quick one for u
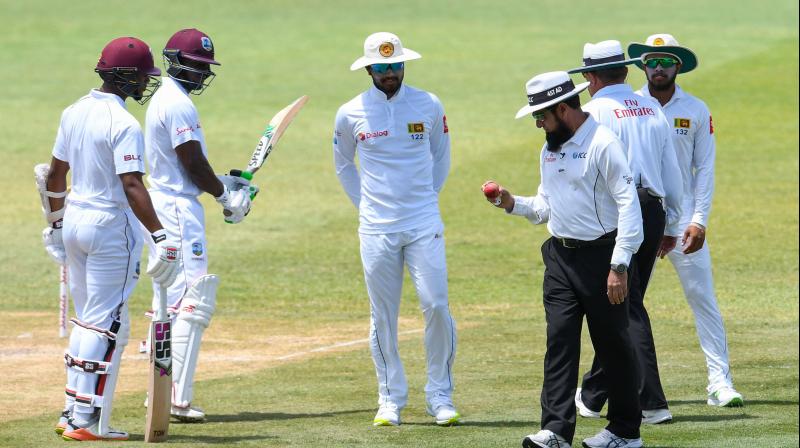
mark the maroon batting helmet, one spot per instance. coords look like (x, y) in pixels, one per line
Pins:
(127, 52)
(192, 44)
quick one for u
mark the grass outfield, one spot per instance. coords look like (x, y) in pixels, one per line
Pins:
(285, 362)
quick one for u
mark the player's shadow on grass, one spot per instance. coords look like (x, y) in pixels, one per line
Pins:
(478, 424)
(180, 438)
(678, 418)
(266, 416)
(747, 403)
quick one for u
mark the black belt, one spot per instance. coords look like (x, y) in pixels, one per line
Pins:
(645, 196)
(605, 240)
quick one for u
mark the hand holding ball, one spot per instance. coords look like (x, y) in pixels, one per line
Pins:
(492, 192)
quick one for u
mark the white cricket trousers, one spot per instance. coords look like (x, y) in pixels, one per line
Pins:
(103, 247)
(694, 272)
(183, 218)
(383, 257)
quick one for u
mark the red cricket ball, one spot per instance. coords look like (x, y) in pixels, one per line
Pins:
(491, 190)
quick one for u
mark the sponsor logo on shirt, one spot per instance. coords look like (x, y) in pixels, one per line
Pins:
(683, 123)
(578, 155)
(550, 158)
(628, 179)
(180, 131)
(632, 109)
(367, 135)
(129, 157)
(415, 127)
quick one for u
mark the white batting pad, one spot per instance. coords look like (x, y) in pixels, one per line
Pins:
(194, 315)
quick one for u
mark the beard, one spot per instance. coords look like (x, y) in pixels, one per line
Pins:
(558, 137)
(662, 85)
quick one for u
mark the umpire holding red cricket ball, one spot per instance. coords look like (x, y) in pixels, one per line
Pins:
(589, 202)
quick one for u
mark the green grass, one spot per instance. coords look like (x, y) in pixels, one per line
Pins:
(295, 262)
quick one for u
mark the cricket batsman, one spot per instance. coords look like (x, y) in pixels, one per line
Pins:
(92, 229)
(179, 172)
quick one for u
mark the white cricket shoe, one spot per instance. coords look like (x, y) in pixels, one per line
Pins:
(583, 410)
(62, 422)
(544, 439)
(607, 439)
(726, 397)
(444, 412)
(188, 414)
(388, 415)
(656, 416)
(91, 432)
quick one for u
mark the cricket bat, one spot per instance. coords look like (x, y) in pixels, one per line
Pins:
(275, 129)
(159, 389)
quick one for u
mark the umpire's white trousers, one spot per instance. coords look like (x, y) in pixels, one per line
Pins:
(694, 271)
(383, 257)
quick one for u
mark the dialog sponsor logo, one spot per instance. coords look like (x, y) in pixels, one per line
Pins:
(368, 135)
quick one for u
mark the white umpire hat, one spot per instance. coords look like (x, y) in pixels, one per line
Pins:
(383, 48)
(547, 89)
(602, 55)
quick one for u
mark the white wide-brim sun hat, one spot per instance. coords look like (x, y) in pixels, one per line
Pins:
(383, 48)
(547, 89)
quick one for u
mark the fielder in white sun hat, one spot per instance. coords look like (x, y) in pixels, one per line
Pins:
(663, 44)
(383, 48)
(602, 55)
(548, 89)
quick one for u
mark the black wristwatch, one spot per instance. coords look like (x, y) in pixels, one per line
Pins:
(619, 268)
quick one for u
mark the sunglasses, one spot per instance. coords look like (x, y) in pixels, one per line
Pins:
(538, 115)
(383, 68)
(663, 62)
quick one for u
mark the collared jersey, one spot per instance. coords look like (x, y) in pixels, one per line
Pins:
(171, 120)
(586, 191)
(647, 141)
(693, 138)
(403, 150)
(100, 140)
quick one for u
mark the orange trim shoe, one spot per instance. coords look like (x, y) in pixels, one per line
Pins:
(91, 432)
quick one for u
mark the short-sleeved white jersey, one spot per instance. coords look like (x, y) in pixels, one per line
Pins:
(693, 138)
(403, 150)
(100, 140)
(171, 120)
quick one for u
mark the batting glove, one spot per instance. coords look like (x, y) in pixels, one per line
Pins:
(235, 204)
(54, 245)
(164, 266)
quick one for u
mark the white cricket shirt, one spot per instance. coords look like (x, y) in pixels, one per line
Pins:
(171, 120)
(403, 150)
(100, 140)
(693, 138)
(586, 191)
(647, 141)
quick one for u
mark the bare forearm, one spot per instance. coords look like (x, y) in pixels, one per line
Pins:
(139, 200)
(203, 176)
(57, 182)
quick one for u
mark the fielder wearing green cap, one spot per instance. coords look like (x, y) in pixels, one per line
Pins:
(693, 139)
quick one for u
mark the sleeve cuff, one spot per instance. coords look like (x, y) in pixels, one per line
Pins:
(673, 230)
(621, 256)
(521, 208)
(699, 218)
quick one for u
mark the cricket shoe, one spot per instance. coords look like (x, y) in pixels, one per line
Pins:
(545, 439)
(388, 415)
(62, 422)
(656, 416)
(584, 410)
(726, 397)
(188, 414)
(607, 439)
(91, 432)
(444, 412)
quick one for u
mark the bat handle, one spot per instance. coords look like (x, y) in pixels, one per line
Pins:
(243, 174)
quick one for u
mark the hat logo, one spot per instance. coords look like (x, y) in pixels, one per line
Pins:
(386, 49)
(555, 91)
(658, 41)
(206, 43)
